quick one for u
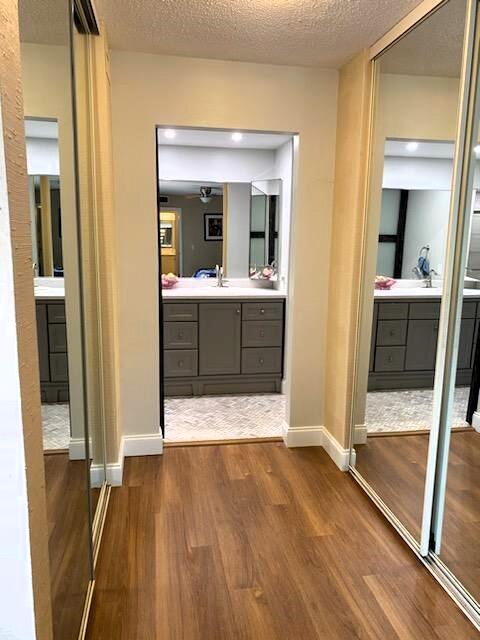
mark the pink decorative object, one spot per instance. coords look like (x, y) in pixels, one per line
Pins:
(169, 281)
(383, 283)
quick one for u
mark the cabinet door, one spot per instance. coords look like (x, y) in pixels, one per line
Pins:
(465, 345)
(421, 345)
(219, 338)
(42, 335)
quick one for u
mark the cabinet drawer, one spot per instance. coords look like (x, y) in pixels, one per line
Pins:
(42, 335)
(180, 335)
(58, 367)
(425, 310)
(262, 310)
(56, 312)
(389, 358)
(180, 363)
(469, 309)
(391, 332)
(392, 310)
(268, 360)
(57, 338)
(258, 333)
(180, 312)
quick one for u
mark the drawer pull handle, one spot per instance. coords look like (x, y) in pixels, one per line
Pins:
(262, 333)
(392, 333)
(180, 335)
(390, 358)
(262, 311)
(237, 311)
(261, 360)
(180, 363)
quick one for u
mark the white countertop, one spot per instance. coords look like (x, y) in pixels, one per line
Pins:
(210, 291)
(49, 288)
(415, 289)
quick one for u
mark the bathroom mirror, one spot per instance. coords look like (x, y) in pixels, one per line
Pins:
(264, 228)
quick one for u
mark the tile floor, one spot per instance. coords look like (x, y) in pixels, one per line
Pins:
(56, 426)
(409, 410)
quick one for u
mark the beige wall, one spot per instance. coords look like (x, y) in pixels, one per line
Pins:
(347, 234)
(13, 133)
(212, 93)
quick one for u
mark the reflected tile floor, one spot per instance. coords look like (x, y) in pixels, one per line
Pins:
(224, 417)
(409, 410)
(56, 426)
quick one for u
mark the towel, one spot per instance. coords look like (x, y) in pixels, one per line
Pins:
(424, 265)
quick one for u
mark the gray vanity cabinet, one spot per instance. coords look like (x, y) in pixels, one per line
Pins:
(219, 338)
(227, 346)
(52, 349)
(404, 343)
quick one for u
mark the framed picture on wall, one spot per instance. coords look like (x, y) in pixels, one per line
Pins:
(213, 226)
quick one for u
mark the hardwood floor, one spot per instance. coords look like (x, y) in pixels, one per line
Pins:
(68, 542)
(259, 542)
(395, 468)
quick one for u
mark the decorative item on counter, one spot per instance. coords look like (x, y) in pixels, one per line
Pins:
(169, 280)
(267, 272)
(384, 283)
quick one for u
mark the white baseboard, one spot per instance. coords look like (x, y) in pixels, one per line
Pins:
(148, 444)
(360, 434)
(476, 420)
(96, 475)
(318, 437)
(76, 448)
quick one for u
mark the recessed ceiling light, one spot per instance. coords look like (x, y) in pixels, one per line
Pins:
(412, 146)
(237, 136)
(170, 133)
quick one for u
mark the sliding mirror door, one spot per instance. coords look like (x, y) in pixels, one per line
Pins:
(416, 106)
(50, 147)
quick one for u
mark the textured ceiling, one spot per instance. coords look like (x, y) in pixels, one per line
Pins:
(43, 21)
(323, 33)
(434, 48)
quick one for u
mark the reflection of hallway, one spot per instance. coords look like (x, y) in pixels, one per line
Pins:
(228, 417)
(395, 467)
(56, 426)
(409, 410)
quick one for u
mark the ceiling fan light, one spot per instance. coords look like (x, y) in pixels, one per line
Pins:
(205, 199)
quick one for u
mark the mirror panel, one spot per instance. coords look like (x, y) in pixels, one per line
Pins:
(265, 211)
(411, 176)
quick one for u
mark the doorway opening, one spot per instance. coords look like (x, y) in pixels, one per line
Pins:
(224, 227)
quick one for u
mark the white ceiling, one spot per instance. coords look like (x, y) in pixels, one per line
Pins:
(183, 188)
(41, 129)
(425, 149)
(325, 33)
(222, 139)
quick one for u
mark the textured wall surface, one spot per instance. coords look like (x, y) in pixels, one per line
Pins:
(294, 32)
(14, 138)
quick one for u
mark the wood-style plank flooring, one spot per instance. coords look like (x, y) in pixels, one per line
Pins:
(395, 467)
(257, 542)
(65, 483)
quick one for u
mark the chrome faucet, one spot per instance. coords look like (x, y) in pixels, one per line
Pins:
(219, 274)
(427, 279)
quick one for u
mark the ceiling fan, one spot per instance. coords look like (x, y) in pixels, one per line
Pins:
(206, 193)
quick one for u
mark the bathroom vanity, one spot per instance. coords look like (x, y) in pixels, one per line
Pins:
(404, 338)
(52, 339)
(223, 340)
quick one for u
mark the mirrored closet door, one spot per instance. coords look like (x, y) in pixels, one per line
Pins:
(415, 422)
(56, 94)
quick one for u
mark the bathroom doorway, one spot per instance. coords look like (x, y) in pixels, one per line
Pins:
(224, 221)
